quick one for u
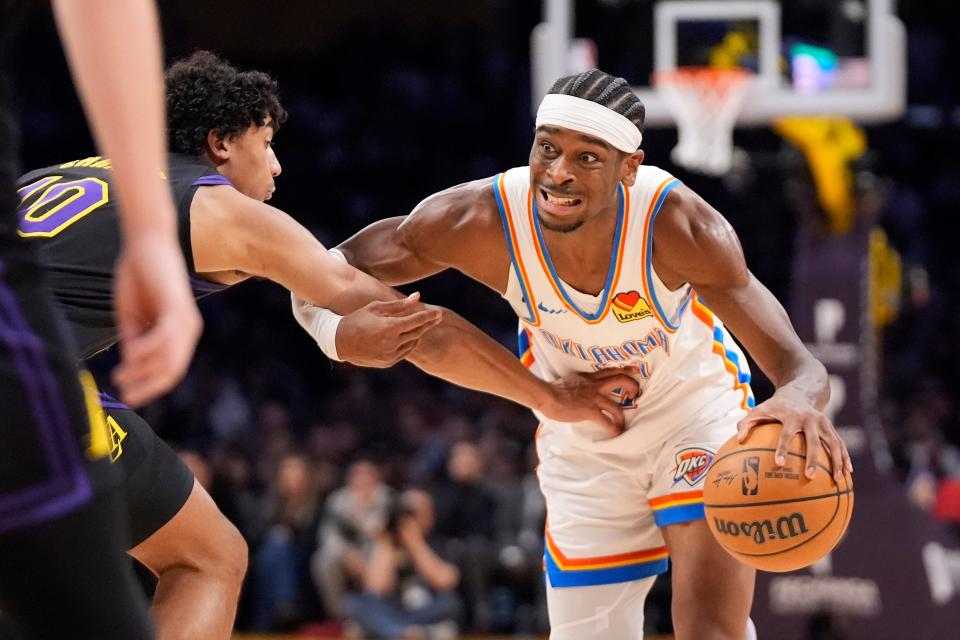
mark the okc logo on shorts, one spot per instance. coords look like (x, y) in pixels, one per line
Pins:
(692, 465)
(630, 306)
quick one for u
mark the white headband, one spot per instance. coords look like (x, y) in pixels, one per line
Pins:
(591, 118)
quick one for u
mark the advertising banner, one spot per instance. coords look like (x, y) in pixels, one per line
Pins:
(896, 575)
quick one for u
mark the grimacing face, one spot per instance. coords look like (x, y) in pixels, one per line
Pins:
(251, 164)
(574, 176)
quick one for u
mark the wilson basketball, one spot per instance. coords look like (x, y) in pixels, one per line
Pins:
(775, 518)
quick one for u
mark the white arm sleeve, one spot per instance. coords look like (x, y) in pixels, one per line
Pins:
(320, 323)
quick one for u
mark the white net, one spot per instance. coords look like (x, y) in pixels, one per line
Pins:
(705, 103)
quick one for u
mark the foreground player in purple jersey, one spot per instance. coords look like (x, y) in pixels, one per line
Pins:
(62, 522)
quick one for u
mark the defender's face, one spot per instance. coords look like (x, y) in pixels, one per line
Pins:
(251, 164)
(574, 176)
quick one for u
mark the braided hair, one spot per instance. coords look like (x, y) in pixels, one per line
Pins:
(609, 91)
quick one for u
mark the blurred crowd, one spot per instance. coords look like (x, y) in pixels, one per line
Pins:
(390, 503)
(438, 532)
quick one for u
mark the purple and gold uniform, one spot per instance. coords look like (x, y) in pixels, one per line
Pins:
(67, 215)
(63, 528)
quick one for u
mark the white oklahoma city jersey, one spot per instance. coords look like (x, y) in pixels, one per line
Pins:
(690, 368)
(607, 497)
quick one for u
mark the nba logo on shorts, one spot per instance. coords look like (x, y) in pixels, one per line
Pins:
(751, 476)
(692, 465)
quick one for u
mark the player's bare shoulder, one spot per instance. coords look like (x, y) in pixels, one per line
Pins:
(693, 243)
(465, 208)
(228, 231)
(460, 228)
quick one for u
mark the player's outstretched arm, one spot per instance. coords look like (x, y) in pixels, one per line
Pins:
(695, 244)
(460, 229)
(114, 53)
(230, 231)
(458, 352)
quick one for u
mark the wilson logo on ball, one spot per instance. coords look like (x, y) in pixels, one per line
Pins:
(789, 526)
(692, 465)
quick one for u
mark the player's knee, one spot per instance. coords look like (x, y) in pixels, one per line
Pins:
(694, 594)
(709, 623)
(232, 554)
(700, 614)
(217, 550)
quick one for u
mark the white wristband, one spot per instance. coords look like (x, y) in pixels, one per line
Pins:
(336, 254)
(327, 324)
(320, 323)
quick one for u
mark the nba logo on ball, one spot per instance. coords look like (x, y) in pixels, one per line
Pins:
(692, 465)
(751, 476)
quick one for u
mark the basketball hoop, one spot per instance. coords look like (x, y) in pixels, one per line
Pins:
(705, 103)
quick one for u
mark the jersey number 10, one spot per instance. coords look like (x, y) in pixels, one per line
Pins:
(50, 205)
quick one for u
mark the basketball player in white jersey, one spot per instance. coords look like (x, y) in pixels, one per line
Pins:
(609, 263)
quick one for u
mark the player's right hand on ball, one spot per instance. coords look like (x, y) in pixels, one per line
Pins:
(594, 396)
(384, 333)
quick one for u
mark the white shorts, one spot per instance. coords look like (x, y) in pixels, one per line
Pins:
(606, 503)
(604, 612)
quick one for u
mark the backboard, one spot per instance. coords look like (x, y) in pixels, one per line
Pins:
(810, 57)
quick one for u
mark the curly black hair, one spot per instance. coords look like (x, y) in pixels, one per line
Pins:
(610, 91)
(205, 93)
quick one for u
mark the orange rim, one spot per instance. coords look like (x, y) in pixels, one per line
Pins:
(702, 77)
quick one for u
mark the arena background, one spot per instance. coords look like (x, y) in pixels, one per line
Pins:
(390, 102)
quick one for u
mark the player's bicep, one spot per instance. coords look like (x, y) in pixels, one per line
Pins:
(460, 229)
(446, 230)
(704, 250)
(231, 232)
(694, 244)
(217, 240)
(288, 254)
(383, 251)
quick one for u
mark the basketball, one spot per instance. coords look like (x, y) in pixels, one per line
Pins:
(775, 518)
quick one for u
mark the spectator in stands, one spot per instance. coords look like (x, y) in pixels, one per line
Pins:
(291, 513)
(408, 591)
(352, 517)
(198, 466)
(232, 488)
(466, 517)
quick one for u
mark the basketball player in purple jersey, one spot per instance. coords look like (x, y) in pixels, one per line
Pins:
(62, 523)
